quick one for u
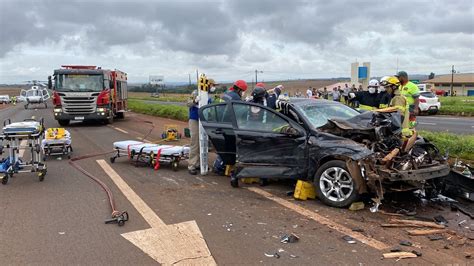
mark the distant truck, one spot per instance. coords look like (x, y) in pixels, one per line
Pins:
(85, 93)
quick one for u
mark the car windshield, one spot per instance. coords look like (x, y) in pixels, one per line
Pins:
(428, 94)
(79, 83)
(318, 114)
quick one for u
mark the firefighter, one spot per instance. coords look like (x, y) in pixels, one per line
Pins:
(383, 97)
(236, 91)
(368, 99)
(392, 86)
(193, 104)
(411, 93)
(273, 96)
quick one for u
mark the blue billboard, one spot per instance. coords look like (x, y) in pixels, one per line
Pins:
(363, 72)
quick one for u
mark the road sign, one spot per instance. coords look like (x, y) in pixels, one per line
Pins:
(157, 80)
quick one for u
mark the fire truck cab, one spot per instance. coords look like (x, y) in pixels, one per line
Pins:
(84, 93)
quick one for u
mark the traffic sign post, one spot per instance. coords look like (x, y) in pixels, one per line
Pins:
(203, 87)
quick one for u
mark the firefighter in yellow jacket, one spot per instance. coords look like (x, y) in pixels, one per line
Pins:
(392, 86)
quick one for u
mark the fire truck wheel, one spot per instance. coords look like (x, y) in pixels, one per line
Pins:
(110, 120)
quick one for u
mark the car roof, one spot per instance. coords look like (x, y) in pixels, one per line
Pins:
(307, 101)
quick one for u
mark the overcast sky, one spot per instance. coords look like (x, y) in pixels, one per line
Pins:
(229, 39)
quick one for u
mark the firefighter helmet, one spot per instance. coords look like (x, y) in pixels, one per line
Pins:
(241, 85)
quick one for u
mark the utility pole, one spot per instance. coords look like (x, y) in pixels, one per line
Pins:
(189, 77)
(256, 76)
(452, 80)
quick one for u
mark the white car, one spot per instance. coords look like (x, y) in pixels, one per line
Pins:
(429, 102)
(4, 99)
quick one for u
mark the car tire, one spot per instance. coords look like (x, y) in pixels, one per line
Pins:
(63, 122)
(332, 179)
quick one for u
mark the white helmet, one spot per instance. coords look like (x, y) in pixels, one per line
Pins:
(373, 83)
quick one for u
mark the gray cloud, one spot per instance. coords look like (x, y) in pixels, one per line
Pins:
(236, 33)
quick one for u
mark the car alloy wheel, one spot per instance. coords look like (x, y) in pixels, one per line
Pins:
(336, 184)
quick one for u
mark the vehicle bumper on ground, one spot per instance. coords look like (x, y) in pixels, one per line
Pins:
(59, 115)
(416, 175)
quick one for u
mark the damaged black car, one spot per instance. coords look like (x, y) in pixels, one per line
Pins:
(344, 153)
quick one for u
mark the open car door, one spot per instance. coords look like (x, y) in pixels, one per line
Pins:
(45, 95)
(269, 145)
(217, 120)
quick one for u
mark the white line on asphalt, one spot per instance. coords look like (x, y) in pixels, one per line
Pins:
(320, 219)
(181, 243)
(426, 123)
(119, 129)
(150, 217)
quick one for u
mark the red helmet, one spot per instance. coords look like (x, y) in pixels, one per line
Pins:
(260, 84)
(241, 84)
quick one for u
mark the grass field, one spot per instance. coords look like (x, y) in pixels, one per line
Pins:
(10, 91)
(161, 110)
(458, 105)
(165, 97)
(459, 146)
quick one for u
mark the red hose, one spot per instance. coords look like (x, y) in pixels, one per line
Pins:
(107, 190)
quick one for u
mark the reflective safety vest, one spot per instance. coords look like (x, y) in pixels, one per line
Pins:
(401, 103)
(410, 91)
(366, 107)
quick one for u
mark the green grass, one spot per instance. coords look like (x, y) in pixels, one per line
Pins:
(458, 105)
(168, 98)
(160, 110)
(461, 146)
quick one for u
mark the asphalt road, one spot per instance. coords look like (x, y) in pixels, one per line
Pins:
(61, 220)
(451, 124)
(438, 123)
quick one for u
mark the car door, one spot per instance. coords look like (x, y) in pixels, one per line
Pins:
(217, 121)
(45, 94)
(269, 145)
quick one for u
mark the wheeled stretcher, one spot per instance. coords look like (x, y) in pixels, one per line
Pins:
(26, 135)
(57, 142)
(150, 154)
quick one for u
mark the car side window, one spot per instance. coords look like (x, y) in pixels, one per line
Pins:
(252, 117)
(217, 114)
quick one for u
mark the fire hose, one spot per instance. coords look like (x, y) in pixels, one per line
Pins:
(117, 217)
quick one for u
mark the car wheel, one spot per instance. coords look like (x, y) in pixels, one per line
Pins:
(335, 185)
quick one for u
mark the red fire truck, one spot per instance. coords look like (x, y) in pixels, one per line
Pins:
(84, 93)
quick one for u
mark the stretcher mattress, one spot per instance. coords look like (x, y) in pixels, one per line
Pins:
(137, 146)
(22, 128)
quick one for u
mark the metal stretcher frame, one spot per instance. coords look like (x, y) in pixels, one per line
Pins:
(144, 158)
(13, 139)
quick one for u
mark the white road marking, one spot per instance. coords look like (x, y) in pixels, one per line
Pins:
(180, 243)
(426, 123)
(119, 129)
(321, 219)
